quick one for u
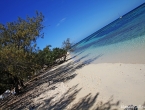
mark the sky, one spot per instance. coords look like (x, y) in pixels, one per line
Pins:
(74, 19)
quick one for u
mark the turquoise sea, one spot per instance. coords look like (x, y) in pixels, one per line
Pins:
(121, 41)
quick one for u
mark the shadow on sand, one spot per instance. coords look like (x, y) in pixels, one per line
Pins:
(51, 77)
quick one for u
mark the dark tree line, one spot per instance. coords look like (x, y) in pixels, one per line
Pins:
(50, 57)
(19, 55)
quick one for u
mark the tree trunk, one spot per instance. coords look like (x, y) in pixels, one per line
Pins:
(21, 83)
(16, 89)
(16, 83)
(64, 58)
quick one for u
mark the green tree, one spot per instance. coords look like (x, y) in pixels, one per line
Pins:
(66, 45)
(18, 45)
(50, 57)
(59, 54)
(44, 56)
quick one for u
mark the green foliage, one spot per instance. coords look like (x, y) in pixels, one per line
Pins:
(43, 56)
(18, 45)
(66, 45)
(19, 57)
(50, 57)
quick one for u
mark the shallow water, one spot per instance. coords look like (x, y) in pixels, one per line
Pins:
(122, 41)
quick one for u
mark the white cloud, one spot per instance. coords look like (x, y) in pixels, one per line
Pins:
(61, 21)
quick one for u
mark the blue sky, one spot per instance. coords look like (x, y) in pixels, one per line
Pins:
(74, 19)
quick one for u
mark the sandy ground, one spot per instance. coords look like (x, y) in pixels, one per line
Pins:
(121, 82)
(106, 84)
(78, 86)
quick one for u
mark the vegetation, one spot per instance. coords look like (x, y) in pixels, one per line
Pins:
(51, 57)
(19, 56)
(66, 45)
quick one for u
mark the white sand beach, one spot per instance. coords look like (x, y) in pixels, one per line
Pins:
(114, 84)
(122, 82)
(76, 86)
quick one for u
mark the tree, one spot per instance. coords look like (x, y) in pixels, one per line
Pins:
(18, 45)
(66, 45)
(44, 56)
(58, 54)
(51, 57)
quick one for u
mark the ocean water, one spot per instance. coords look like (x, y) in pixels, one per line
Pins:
(122, 41)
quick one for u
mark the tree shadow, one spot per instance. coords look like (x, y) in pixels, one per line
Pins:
(109, 105)
(50, 79)
(90, 102)
(68, 97)
(85, 103)
(63, 73)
